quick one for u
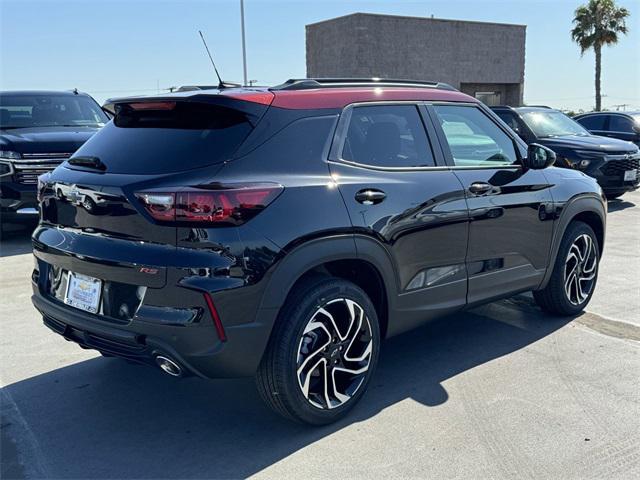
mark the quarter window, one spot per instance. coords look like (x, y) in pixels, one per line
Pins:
(387, 136)
(474, 140)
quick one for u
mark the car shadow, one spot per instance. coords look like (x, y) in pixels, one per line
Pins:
(618, 205)
(105, 418)
(15, 239)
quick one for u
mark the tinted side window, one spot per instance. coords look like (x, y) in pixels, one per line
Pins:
(387, 136)
(618, 123)
(474, 140)
(593, 122)
(510, 119)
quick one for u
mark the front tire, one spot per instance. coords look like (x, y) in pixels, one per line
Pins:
(322, 353)
(575, 272)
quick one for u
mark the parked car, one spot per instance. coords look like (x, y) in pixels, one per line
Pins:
(284, 232)
(614, 163)
(38, 131)
(621, 125)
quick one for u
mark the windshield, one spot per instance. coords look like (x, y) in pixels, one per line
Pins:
(23, 111)
(552, 124)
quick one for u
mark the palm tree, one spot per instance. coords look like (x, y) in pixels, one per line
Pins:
(596, 24)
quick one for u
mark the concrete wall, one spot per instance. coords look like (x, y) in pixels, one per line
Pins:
(456, 52)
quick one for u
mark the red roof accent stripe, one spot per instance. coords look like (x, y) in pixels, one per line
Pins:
(341, 97)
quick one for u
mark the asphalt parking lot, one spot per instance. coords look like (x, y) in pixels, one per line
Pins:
(501, 391)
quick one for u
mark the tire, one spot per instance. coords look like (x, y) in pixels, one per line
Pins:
(574, 252)
(350, 355)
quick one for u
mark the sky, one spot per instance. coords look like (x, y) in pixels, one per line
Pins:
(112, 48)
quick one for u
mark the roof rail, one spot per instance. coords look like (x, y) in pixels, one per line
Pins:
(308, 83)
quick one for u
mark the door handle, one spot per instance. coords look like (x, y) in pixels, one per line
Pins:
(480, 188)
(370, 196)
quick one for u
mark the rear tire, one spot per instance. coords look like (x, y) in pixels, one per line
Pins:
(322, 353)
(575, 272)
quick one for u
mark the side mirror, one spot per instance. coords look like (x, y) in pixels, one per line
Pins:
(539, 157)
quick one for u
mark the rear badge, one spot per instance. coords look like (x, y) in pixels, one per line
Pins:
(150, 271)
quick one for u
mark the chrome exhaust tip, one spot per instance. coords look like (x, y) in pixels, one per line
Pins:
(169, 366)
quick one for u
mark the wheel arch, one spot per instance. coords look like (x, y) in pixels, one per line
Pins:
(360, 260)
(589, 209)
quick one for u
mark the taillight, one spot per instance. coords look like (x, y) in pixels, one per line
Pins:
(224, 205)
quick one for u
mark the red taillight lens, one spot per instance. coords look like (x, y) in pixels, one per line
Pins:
(226, 205)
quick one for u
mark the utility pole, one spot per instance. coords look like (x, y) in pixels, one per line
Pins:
(244, 47)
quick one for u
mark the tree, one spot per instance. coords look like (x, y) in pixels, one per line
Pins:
(596, 24)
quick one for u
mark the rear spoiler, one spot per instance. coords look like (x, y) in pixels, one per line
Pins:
(253, 103)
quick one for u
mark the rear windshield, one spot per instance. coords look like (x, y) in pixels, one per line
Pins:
(174, 137)
(44, 110)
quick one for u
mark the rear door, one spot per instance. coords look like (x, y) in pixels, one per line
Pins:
(622, 127)
(510, 209)
(399, 193)
(596, 123)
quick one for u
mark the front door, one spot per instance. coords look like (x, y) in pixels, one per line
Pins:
(510, 208)
(400, 194)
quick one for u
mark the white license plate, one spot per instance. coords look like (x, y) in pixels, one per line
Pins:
(630, 175)
(83, 292)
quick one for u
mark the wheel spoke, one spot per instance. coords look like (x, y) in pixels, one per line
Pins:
(365, 354)
(305, 385)
(576, 286)
(588, 248)
(311, 355)
(340, 396)
(332, 321)
(568, 283)
(326, 384)
(353, 332)
(580, 294)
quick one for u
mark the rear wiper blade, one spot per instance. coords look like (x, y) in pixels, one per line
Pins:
(88, 162)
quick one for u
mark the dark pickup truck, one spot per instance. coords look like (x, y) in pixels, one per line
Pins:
(38, 131)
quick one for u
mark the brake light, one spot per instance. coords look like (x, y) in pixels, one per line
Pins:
(226, 205)
(152, 105)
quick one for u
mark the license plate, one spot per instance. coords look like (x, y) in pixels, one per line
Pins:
(83, 292)
(630, 175)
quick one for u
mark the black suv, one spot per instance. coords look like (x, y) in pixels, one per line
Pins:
(284, 232)
(614, 163)
(38, 131)
(621, 125)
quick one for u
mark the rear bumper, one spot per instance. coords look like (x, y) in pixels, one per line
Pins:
(143, 315)
(196, 349)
